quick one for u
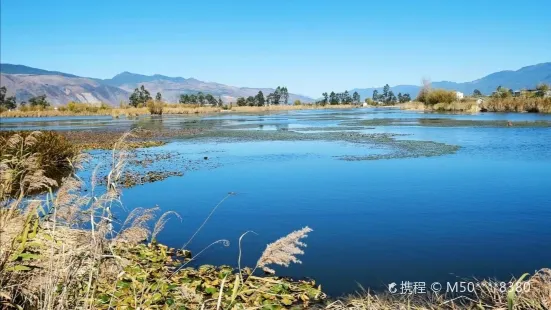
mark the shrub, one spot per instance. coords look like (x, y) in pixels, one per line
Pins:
(32, 161)
(370, 101)
(434, 96)
(297, 102)
(155, 107)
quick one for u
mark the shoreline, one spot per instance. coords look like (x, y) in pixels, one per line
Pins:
(135, 254)
(171, 109)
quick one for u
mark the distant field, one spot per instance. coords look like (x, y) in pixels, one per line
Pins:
(168, 109)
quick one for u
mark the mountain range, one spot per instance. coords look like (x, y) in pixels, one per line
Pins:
(526, 77)
(25, 82)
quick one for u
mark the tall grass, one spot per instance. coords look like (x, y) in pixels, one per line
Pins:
(155, 107)
(518, 104)
(33, 161)
(67, 250)
(466, 106)
(434, 96)
(166, 108)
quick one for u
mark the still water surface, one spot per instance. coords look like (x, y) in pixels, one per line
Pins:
(484, 211)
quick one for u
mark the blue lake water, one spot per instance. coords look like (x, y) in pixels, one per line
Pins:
(484, 211)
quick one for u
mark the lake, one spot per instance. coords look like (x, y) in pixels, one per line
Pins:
(482, 210)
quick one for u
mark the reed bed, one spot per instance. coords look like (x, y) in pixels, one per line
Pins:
(509, 104)
(518, 104)
(166, 109)
(468, 106)
(67, 250)
(486, 296)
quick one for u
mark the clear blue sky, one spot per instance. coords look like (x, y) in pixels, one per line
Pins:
(309, 46)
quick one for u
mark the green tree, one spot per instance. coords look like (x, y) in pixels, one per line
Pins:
(220, 103)
(139, 96)
(391, 98)
(346, 99)
(193, 99)
(477, 93)
(134, 98)
(145, 96)
(6, 102)
(375, 96)
(285, 95)
(251, 102)
(386, 90)
(333, 98)
(241, 102)
(210, 99)
(260, 101)
(159, 97)
(325, 98)
(356, 97)
(404, 98)
(39, 101)
(275, 97)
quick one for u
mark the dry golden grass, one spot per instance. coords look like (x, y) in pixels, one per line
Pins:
(518, 104)
(486, 297)
(290, 108)
(167, 109)
(469, 106)
(510, 104)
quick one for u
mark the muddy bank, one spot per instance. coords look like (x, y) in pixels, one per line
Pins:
(394, 147)
(140, 138)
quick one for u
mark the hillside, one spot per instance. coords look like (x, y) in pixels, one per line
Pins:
(20, 69)
(526, 77)
(60, 88)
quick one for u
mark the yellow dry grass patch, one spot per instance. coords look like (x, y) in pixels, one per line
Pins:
(168, 109)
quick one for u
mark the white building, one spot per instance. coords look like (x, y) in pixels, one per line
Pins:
(459, 95)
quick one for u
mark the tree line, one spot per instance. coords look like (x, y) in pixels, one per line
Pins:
(503, 92)
(388, 97)
(201, 99)
(10, 103)
(339, 98)
(279, 96)
(141, 96)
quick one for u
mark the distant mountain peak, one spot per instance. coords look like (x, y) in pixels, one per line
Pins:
(62, 87)
(525, 77)
(22, 69)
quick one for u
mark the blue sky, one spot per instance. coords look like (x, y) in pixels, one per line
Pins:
(309, 46)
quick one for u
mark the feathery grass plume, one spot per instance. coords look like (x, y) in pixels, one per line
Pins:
(161, 222)
(69, 201)
(34, 161)
(284, 251)
(138, 230)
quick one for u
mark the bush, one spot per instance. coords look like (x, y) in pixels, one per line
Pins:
(297, 102)
(33, 161)
(370, 101)
(155, 107)
(434, 96)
